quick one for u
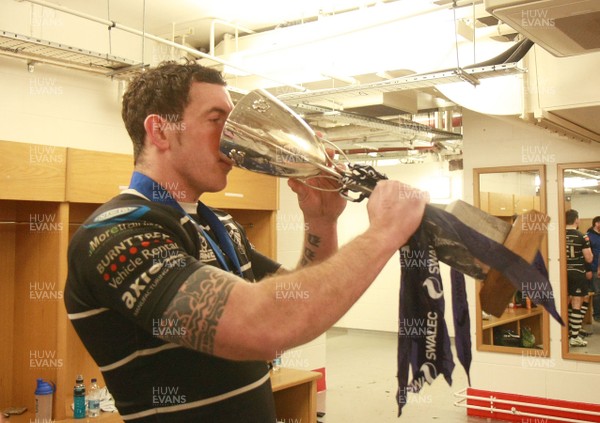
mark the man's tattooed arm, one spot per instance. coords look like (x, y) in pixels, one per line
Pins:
(196, 309)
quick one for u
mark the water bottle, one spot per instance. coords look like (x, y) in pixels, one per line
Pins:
(79, 398)
(94, 399)
(276, 363)
(43, 401)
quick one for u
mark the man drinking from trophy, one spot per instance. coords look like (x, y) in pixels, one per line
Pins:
(166, 292)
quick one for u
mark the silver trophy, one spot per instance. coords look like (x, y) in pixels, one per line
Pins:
(264, 135)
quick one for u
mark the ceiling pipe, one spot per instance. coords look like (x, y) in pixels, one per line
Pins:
(144, 35)
(213, 24)
(499, 30)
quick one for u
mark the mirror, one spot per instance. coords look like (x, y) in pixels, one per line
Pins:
(578, 189)
(506, 192)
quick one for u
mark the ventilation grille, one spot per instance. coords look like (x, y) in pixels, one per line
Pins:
(562, 27)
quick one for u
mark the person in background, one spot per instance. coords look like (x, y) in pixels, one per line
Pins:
(593, 234)
(161, 288)
(578, 254)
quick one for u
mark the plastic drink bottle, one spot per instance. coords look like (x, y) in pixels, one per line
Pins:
(43, 401)
(94, 399)
(79, 398)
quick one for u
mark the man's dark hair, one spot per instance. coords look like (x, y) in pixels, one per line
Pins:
(164, 91)
(571, 216)
(595, 220)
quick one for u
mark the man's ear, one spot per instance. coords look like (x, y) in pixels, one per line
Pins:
(155, 131)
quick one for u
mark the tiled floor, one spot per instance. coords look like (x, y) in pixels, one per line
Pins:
(593, 346)
(361, 384)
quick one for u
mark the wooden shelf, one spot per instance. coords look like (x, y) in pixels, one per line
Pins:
(295, 393)
(29, 417)
(535, 319)
(511, 315)
(514, 319)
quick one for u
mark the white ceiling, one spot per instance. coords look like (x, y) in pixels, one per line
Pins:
(189, 22)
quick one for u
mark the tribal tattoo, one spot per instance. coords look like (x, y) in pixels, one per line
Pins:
(197, 308)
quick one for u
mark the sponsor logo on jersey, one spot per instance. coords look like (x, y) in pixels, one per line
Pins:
(121, 214)
(99, 239)
(135, 290)
(121, 261)
(134, 242)
(138, 292)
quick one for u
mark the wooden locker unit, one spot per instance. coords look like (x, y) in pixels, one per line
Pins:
(94, 176)
(484, 201)
(43, 200)
(500, 204)
(32, 172)
(33, 237)
(514, 319)
(523, 203)
(247, 191)
(509, 207)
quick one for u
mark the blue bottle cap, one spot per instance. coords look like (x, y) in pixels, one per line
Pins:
(44, 388)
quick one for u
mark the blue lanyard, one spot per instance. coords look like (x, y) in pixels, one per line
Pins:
(155, 192)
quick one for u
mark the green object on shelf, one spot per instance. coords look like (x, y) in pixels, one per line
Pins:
(527, 338)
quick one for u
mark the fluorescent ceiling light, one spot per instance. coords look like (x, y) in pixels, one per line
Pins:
(342, 78)
(578, 182)
(384, 75)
